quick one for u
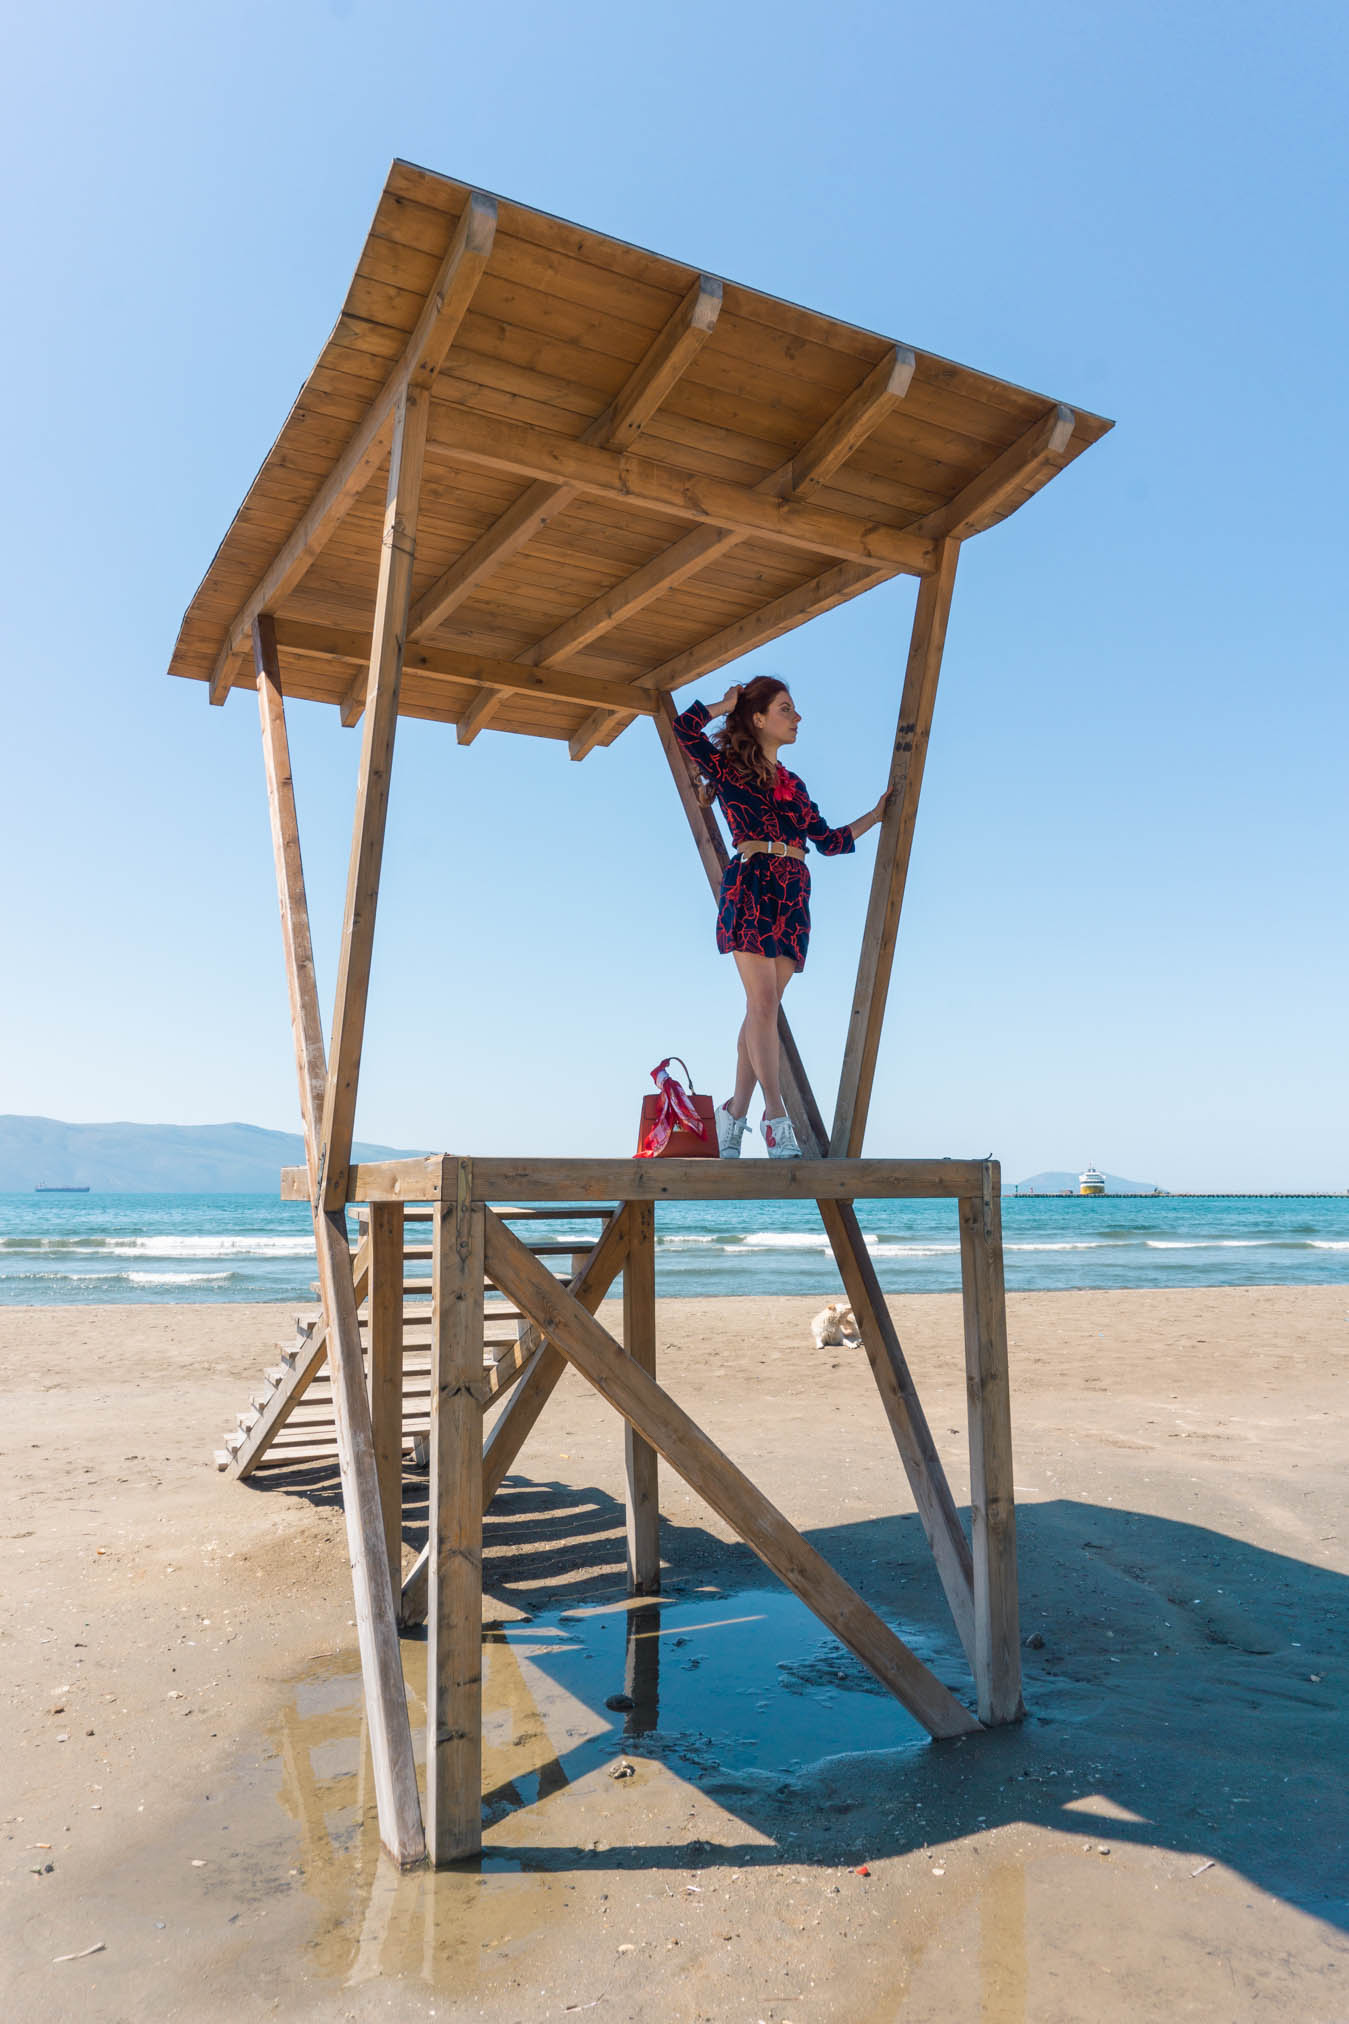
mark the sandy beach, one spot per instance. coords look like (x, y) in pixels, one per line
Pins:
(1164, 1837)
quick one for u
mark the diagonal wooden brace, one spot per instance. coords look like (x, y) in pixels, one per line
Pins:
(715, 1478)
(931, 1492)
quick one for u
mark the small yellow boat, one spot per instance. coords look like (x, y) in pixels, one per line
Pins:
(1091, 1182)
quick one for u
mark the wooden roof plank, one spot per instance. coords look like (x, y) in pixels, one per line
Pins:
(821, 594)
(672, 351)
(832, 444)
(431, 338)
(864, 409)
(641, 267)
(563, 319)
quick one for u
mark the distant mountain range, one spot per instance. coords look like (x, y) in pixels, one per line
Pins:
(1066, 1183)
(148, 1159)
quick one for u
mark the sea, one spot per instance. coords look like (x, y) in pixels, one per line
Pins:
(106, 1249)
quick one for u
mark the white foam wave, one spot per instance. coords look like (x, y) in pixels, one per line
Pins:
(879, 1250)
(122, 1278)
(1213, 1243)
(215, 1247)
(784, 1240)
(1327, 1244)
(1076, 1244)
(165, 1246)
(172, 1278)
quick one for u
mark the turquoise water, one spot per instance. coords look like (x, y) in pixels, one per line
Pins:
(58, 1250)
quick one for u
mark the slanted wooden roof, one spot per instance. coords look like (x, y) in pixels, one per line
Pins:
(634, 473)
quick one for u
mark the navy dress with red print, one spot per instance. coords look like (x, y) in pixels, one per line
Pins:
(764, 908)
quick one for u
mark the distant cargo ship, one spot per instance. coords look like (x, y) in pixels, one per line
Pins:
(59, 1188)
(1091, 1182)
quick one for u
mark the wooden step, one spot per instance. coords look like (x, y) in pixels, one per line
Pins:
(290, 1414)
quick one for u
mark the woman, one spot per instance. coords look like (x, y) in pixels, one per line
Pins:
(763, 919)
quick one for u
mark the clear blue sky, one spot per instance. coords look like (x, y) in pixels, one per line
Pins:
(1125, 933)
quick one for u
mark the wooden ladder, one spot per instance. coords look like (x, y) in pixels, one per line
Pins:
(288, 1423)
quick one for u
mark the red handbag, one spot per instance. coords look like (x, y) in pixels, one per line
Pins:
(676, 1124)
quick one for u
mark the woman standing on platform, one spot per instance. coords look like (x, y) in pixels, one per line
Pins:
(763, 918)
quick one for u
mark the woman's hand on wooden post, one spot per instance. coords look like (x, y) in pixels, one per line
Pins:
(872, 816)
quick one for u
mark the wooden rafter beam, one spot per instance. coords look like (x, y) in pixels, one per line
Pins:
(866, 407)
(425, 351)
(856, 418)
(486, 442)
(1018, 466)
(863, 410)
(669, 355)
(784, 614)
(334, 643)
(672, 352)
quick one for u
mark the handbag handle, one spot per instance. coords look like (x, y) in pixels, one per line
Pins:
(688, 1079)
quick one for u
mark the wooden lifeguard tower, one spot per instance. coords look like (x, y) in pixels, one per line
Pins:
(538, 481)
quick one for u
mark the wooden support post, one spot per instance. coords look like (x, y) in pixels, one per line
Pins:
(715, 1478)
(932, 1497)
(997, 1639)
(385, 1313)
(400, 1820)
(892, 856)
(454, 1607)
(640, 1460)
(517, 1419)
(372, 795)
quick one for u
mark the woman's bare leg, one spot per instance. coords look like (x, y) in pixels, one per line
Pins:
(759, 1034)
(745, 1078)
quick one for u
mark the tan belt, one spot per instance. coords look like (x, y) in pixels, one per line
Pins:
(773, 849)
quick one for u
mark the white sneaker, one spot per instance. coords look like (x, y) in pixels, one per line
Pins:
(730, 1131)
(780, 1139)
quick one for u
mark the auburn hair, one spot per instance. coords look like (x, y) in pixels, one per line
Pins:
(737, 738)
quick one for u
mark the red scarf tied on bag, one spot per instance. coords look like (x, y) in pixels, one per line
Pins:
(676, 1110)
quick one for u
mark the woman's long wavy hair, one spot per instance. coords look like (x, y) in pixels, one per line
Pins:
(737, 739)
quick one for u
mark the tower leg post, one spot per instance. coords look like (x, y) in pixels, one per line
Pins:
(997, 1640)
(454, 1559)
